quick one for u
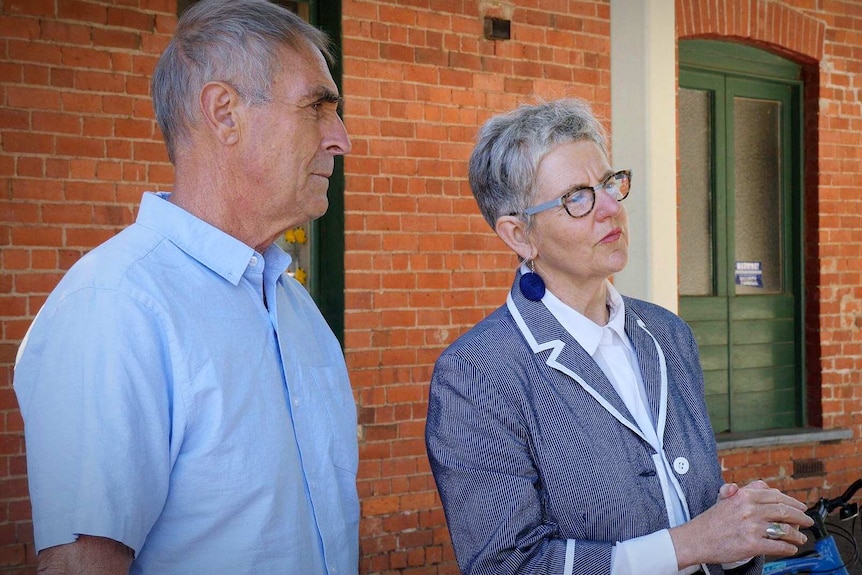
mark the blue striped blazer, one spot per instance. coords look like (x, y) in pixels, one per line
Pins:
(539, 465)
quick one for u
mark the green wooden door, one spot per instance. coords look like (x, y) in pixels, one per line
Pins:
(739, 231)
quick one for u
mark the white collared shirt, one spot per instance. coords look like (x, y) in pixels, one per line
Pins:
(613, 351)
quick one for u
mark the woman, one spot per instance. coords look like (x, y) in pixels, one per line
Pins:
(568, 432)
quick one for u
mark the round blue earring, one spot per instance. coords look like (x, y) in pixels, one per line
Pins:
(532, 285)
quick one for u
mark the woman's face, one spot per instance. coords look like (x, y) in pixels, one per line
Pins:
(577, 253)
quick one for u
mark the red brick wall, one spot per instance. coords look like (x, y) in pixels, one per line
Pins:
(422, 265)
(78, 146)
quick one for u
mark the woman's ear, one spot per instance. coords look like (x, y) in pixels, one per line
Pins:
(219, 103)
(513, 231)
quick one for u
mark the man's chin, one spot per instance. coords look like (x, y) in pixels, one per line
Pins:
(318, 206)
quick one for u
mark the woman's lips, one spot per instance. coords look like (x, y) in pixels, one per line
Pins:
(612, 237)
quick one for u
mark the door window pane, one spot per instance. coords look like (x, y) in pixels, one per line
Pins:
(695, 213)
(757, 196)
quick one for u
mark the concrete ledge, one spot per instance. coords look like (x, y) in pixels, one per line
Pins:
(776, 437)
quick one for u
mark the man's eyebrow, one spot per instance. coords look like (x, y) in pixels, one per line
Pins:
(328, 96)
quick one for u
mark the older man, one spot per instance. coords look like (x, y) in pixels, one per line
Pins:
(187, 409)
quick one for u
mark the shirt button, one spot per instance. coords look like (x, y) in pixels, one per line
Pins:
(296, 403)
(680, 464)
(253, 261)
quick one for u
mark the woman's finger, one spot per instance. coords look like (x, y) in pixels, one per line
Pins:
(783, 514)
(769, 495)
(728, 490)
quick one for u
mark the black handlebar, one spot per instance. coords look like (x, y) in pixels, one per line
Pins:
(819, 511)
(842, 499)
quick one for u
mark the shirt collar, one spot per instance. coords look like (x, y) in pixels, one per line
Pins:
(617, 320)
(220, 252)
(587, 333)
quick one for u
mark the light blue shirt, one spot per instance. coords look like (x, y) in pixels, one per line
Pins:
(166, 407)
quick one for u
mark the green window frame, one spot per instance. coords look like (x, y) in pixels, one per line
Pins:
(752, 346)
(327, 249)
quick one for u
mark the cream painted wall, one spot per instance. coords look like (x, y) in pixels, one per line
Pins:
(643, 138)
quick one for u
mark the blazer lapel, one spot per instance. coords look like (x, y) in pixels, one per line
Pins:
(651, 366)
(543, 332)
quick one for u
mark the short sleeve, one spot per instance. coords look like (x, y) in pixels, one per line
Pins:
(94, 389)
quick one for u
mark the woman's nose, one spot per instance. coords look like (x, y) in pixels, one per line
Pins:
(606, 205)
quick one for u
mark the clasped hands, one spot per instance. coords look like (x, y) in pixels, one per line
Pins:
(745, 522)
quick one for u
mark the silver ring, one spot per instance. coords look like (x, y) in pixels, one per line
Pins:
(775, 531)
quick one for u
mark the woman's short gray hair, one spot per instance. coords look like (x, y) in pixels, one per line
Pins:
(238, 42)
(510, 146)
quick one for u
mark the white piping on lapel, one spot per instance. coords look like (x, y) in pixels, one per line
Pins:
(557, 346)
(662, 417)
(662, 409)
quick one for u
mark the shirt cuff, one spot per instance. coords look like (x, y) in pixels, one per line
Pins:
(653, 553)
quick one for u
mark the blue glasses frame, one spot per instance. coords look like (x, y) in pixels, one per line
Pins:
(617, 185)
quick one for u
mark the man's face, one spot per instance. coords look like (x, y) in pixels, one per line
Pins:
(289, 144)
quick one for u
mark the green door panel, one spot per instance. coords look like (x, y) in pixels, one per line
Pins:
(750, 338)
(719, 412)
(764, 330)
(770, 409)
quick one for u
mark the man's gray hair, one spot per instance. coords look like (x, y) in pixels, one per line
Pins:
(510, 146)
(238, 42)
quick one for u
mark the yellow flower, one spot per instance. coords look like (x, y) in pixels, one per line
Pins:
(300, 275)
(295, 236)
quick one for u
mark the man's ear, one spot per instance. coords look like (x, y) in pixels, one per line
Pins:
(219, 103)
(513, 231)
